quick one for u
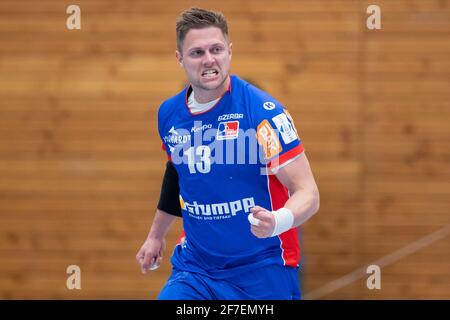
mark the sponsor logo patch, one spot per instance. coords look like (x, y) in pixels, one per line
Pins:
(268, 139)
(228, 130)
(175, 137)
(285, 127)
(200, 127)
(230, 116)
(217, 211)
(269, 105)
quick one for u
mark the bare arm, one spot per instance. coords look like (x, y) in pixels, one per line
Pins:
(161, 224)
(150, 254)
(304, 198)
(304, 201)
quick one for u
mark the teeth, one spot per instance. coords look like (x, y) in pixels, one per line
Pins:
(210, 72)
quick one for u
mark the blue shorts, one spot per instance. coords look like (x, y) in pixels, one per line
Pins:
(269, 283)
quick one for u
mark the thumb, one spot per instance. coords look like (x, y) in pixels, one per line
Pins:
(255, 217)
(263, 215)
(256, 209)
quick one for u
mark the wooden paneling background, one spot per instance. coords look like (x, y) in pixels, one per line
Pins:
(80, 160)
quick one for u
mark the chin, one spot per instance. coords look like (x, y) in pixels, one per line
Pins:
(215, 84)
(210, 85)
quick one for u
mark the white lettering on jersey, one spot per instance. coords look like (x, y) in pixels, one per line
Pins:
(201, 127)
(230, 116)
(178, 136)
(228, 209)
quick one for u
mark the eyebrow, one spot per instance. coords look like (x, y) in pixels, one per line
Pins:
(200, 48)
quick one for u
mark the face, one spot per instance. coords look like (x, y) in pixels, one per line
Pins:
(206, 57)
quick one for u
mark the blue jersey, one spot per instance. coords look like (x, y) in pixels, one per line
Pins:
(225, 159)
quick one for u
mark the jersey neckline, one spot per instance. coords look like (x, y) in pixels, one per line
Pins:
(189, 89)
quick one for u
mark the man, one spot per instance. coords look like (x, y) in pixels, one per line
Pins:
(240, 215)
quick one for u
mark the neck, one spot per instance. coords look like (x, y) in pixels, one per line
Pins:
(205, 96)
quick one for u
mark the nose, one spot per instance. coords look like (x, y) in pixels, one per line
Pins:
(208, 59)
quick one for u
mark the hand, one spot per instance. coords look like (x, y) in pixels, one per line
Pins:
(265, 221)
(150, 255)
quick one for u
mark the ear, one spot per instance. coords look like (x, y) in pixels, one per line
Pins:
(230, 49)
(179, 57)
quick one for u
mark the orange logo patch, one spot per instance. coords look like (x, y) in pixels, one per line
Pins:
(268, 139)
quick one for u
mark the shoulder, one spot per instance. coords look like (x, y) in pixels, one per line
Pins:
(169, 104)
(168, 109)
(259, 104)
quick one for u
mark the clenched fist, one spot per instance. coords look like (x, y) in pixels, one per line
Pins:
(151, 253)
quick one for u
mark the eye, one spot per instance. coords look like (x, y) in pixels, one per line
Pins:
(196, 53)
(217, 49)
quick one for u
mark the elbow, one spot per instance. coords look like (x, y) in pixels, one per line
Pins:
(315, 200)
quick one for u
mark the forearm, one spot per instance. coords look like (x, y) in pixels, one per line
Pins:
(304, 204)
(161, 224)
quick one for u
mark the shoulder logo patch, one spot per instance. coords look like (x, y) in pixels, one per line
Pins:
(285, 128)
(269, 105)
(268, 139)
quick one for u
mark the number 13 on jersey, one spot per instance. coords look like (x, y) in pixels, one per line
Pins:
(203, 155)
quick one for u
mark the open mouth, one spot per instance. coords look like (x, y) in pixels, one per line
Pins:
(210, 73)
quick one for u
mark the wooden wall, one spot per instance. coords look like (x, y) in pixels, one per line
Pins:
(80, 160)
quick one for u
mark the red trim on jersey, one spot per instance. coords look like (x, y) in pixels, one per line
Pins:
(196, 114)
(289, 239)
(181, 237)
(285, 157)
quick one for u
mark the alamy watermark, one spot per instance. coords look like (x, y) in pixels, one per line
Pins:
(74, 20)
(74, 279)
(203, 146)
(374, 20)
(374, 280)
